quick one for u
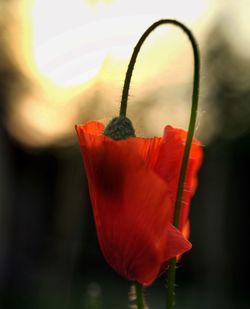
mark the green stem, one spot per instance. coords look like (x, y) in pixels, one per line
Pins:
(171, 283)
(191, 128)
(190, 134)
(139, 295)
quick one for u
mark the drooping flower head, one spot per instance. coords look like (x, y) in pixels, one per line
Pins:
(141, 188)
(133, 184)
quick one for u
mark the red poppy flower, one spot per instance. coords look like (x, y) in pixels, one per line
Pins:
(132, 186)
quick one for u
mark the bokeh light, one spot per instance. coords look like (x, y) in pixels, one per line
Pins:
(75, 53)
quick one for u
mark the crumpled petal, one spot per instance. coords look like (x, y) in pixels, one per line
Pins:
(131, 203)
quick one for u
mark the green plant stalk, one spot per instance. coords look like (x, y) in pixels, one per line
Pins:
(139, 295)
(190, 134)
(191, 128)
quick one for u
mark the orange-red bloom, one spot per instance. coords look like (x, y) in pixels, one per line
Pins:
(133, 184)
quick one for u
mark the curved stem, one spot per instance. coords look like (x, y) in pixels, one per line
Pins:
(191, 128)
(126, 86)
(139, 296)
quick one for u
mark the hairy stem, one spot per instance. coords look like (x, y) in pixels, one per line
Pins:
(139, 295)
(191, 128)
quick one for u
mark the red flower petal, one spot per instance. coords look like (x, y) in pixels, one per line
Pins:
(130, 202)
(168, 166)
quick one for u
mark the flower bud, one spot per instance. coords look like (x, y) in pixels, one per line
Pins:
(119, 128)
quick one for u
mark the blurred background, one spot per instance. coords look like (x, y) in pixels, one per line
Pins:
(63, 62)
